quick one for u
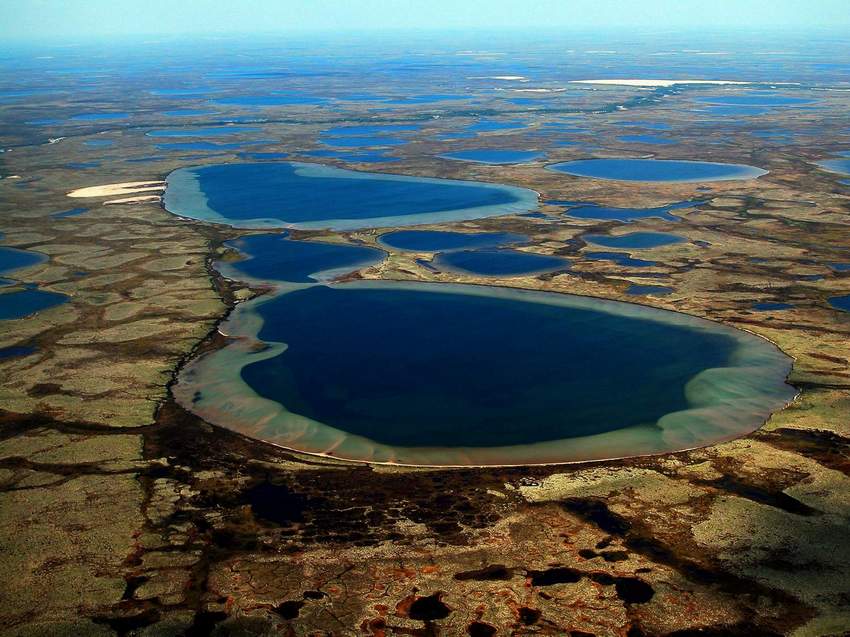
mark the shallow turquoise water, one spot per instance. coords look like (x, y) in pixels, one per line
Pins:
(635, 240)
(657, 170)
(836, 165)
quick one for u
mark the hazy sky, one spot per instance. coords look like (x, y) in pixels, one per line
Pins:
(76, 19)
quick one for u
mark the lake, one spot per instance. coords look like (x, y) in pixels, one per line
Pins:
(657, 170)
(441, 241)
(498, 262)
(605, 213)
(410, 373)
(841, 166)
(16, 304)
(648, 290)
(636, 240)
(275, 257)
(841, 302)
(289, 194)
(619, 258)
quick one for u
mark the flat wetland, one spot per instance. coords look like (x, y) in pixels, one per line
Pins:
(123, 513)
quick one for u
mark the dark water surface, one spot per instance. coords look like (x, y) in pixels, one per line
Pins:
(657, 170)
(411, 368)
(441, 241)
(498, 262)
(283, 194)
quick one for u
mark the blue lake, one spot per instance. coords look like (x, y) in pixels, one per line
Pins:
(492, 376)
(15, 351)
(619, 258)
(635, 240)
(274, 257)
(210, 131)
(648, 290)
(841, 302)
(550, 385)
(289, 194)
(603, 213)
(841, 166)
(28, 300)
(441, 241)
(14, 259)
(489, 156)
(657, 170)
(498, 262)
(18, 304)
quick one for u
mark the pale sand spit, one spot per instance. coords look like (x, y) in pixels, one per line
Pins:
(114, 190)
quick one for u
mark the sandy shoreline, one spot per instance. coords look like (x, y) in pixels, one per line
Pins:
(115, 190)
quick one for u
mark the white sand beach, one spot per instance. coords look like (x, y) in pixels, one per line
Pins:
(115, 190)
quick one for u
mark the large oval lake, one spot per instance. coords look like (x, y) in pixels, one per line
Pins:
(657, 170)
(447, 374)
(302, 195)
